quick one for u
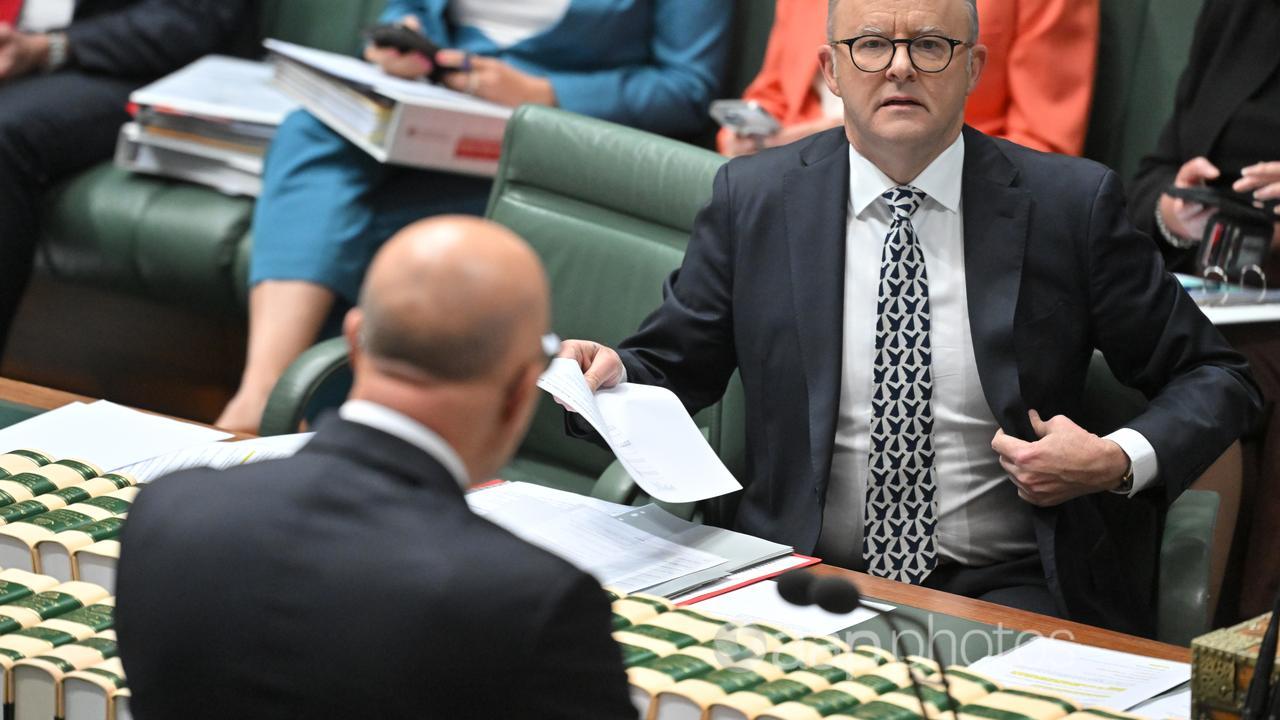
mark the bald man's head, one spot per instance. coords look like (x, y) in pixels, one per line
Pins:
(457, 298)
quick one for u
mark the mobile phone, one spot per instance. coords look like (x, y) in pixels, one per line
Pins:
(744, 117)
(405, 39)
(1232, 204)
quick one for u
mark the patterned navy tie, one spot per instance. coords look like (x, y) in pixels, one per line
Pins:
(900, 512)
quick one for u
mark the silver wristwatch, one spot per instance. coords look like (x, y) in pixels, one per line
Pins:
(1169, 236)
(59, 52)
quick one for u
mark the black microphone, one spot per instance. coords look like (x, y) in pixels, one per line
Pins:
(795, 587)
(840, 596)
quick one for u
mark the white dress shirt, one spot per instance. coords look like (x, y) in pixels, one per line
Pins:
(508, 22)
(981, 520)
(397, 424)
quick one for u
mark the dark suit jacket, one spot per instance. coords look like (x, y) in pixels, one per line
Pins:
(352, 581)
(1233, 57)
(149, 38)
(1054, 269)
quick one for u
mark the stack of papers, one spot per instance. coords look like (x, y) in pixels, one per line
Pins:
(107, 435)
(398, 121)
(1089, 676)
(631, 549)
(218, 455)
(208, 123)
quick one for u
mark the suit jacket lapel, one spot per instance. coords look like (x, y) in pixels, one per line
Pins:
(995, 238)
(816, 204)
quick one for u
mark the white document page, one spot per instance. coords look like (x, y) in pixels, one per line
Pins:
(761, 603)
(650, 432)
(218, 455)
(617, 554)
(221, 87)
(521, 496)
(370, 76)
(1084, 674)
(1171, 707)
(107, 435)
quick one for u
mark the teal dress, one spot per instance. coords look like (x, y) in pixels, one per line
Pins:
(326, 206)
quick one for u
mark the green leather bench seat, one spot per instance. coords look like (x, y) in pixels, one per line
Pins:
(173, 242)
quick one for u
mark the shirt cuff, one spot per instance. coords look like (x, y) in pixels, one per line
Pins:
(1142, 458)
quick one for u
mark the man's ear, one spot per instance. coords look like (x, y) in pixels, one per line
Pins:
(977, 61)
(521, 393)
(353, 331)
(828, 61)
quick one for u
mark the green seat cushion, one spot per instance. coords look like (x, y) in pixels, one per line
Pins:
(167, 241)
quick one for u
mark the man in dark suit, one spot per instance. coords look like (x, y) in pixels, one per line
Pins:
(63, 95)
(912, 307)
(352, 580)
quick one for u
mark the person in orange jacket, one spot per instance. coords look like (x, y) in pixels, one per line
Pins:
(1035, 89)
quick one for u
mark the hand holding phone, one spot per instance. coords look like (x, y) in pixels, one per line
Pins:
(405, 39)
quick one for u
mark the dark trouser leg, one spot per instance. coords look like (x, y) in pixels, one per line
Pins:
(1017, 583)
(50, 127)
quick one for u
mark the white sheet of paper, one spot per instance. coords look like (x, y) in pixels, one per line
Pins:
(221, 87)
(617, 554)
(1171, 707)
(770, 567)
(371, 76)
(650, 432)
(761, 603)
(521, 496)
(108, 435)
(1084, 674)
(219, 455)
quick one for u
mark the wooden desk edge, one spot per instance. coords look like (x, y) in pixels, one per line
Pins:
(47, 399)
(999, 615)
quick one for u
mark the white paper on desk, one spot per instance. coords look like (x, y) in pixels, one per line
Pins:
(1084, 674)
(649, 431)
(218, 455)
(107, 435)
(761, 603)
(617, 554)
(520, 497)
(1170, 707)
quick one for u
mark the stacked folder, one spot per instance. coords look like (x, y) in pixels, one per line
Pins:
(209, 123)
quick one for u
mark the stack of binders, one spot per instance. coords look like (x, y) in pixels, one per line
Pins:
(209, 123)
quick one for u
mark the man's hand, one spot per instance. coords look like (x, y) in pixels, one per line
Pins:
(746, 145)
(1065, 463)
(1188, 219)
(21, 53)
(407, 65)
(600, 364)
(493, 80)
(1263, 179)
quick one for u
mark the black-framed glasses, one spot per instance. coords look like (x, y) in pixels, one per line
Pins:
(928, 53)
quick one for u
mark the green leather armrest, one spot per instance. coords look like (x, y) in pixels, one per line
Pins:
(291, 395)
(1185, 560)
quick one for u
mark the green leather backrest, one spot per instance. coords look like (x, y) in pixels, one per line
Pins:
(326, 24)
(1142, 49)
(608, 209)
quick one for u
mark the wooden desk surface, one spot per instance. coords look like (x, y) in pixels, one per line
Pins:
(48, 399)
(992, 614)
